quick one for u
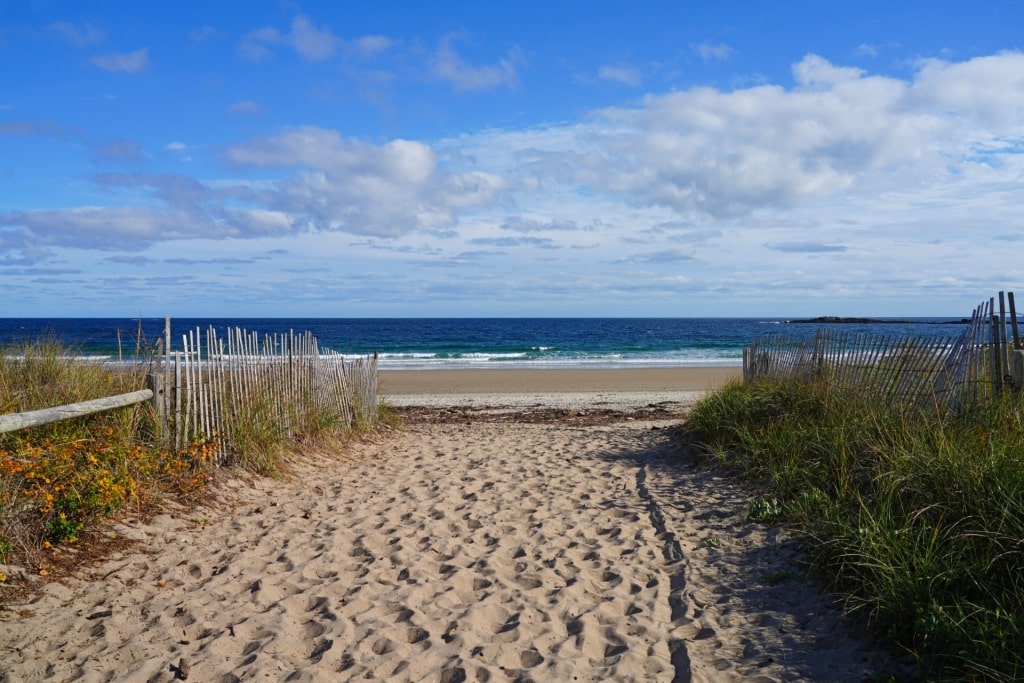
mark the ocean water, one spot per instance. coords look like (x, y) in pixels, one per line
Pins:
(426, 343)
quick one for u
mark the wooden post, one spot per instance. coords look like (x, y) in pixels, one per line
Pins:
(1017, 368)
(1004, 366)
(167, 364)
(1013, 321)
(155, 383)
(993, 349)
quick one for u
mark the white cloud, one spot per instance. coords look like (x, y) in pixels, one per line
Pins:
(712, 52)
(730, 153)
(627, 75)
(368, 46)
(866, 50)
(179, 150)
(124, 62)
(310, 42)
(264, 222)
(255, 45)
(93, 227)
(989, 90)
(815, 71)
(357, 187)
(449, 66)
(180, 208)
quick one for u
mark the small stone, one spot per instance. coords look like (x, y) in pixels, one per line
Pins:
(454, 675)
(183, 668)
(530, 658)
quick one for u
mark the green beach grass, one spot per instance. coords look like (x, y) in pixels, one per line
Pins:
(914, 516)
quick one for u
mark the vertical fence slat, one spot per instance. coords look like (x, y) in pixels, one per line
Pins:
(1013, 321)
(1004, 364)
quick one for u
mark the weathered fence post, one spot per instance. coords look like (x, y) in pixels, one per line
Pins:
(1017, 368)
(155, 383)
(167, 366)
(1004, 367)
(993, 349)
(1013, 321)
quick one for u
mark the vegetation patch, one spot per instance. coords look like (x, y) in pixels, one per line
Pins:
(59, 481)
(765, 509)
(915, 515)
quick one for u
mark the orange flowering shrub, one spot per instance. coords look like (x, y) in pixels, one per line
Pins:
(58, 488)
(191, 469)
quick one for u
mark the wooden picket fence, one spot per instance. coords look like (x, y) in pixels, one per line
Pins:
(286, 382)
(960, 371)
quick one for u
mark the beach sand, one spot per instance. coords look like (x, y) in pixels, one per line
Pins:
(464, 547)
(600, 388)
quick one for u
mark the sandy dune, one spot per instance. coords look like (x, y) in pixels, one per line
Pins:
(454, 552)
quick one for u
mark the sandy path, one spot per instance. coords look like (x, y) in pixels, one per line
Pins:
(448, 553)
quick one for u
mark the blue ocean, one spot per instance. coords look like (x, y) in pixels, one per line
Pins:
(449, 343)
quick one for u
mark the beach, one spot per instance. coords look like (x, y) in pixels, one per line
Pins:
(599, 387)
(519, 381)
(518, 527)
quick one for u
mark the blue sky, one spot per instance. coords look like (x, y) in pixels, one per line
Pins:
(535, 158)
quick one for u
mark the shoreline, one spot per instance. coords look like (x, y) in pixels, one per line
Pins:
(528, 380)
(607, 388)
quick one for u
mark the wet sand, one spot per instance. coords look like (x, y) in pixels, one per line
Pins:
(618, 389)
(555, 381)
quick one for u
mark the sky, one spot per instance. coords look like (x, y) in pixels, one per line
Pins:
(436, 159)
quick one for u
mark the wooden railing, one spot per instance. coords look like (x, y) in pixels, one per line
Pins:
(12, 422)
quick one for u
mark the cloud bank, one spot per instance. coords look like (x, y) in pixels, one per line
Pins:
(713, 161)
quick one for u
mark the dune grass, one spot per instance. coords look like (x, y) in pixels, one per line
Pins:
(915, 515)
(58, 481)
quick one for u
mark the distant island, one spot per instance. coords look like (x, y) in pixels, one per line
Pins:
(837, 320)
